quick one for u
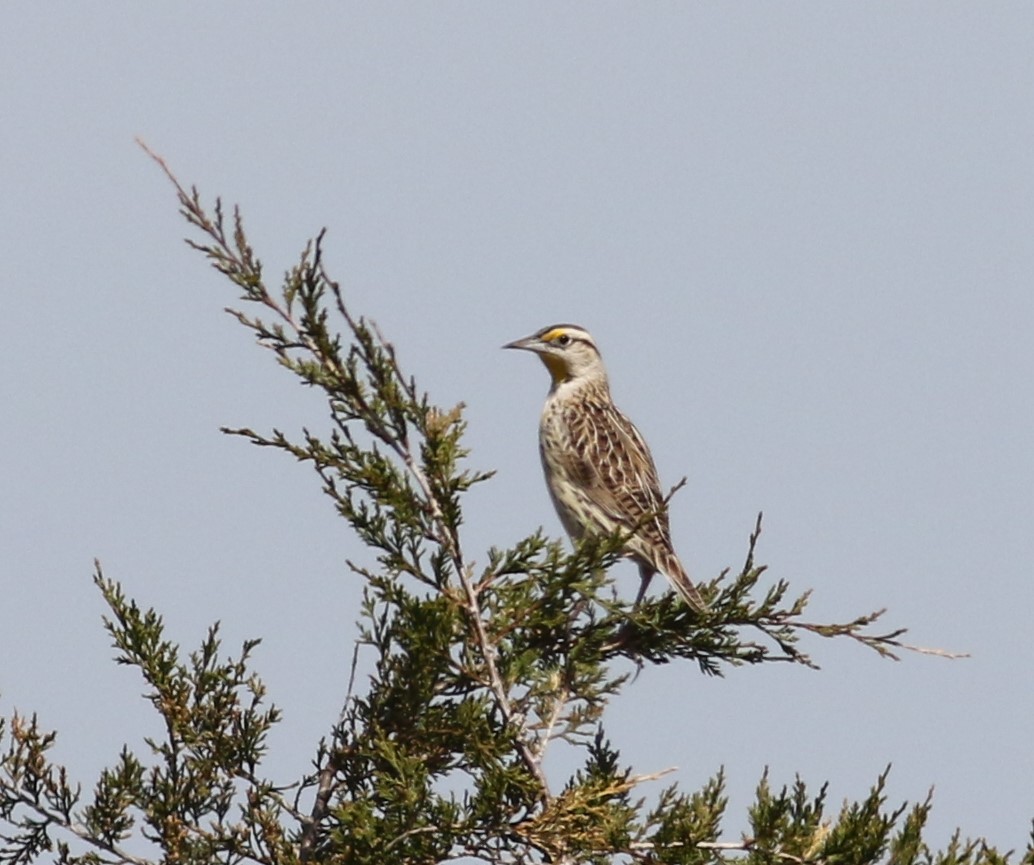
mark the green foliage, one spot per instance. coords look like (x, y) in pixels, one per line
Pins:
(479, 673)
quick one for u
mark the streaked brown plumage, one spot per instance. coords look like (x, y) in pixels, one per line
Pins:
(598, 469)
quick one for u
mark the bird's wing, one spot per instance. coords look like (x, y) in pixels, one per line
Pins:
(621, 481)
(619, 475)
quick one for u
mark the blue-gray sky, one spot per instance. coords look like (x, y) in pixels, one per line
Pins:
(803, 235)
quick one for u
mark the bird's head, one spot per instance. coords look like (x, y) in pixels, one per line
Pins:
(568, 351)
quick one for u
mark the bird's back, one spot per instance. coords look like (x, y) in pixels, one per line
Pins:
(600, 472)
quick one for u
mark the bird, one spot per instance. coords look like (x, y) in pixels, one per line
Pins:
(599, 471)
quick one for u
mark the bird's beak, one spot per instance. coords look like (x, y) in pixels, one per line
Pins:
(529, 343)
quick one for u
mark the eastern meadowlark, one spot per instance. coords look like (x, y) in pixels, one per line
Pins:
(599, 471)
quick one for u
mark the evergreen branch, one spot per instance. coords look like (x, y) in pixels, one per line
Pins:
(74, 827)
(444, 750)
(512, 718)
(658, 630)
(883, 644)
(236, 260)
(29, 780)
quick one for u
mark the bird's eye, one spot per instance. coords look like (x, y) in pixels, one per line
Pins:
(563, 340)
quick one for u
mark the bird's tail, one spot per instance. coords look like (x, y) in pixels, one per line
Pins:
(672, 568)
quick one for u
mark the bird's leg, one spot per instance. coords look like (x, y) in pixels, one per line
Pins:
(645, 575)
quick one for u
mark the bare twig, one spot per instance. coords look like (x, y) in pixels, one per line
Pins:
(940, 653)
(549, 724)
(419, 830)
(747, 845)
(325, 778)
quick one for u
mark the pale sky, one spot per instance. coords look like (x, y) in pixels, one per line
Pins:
(802, 234)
